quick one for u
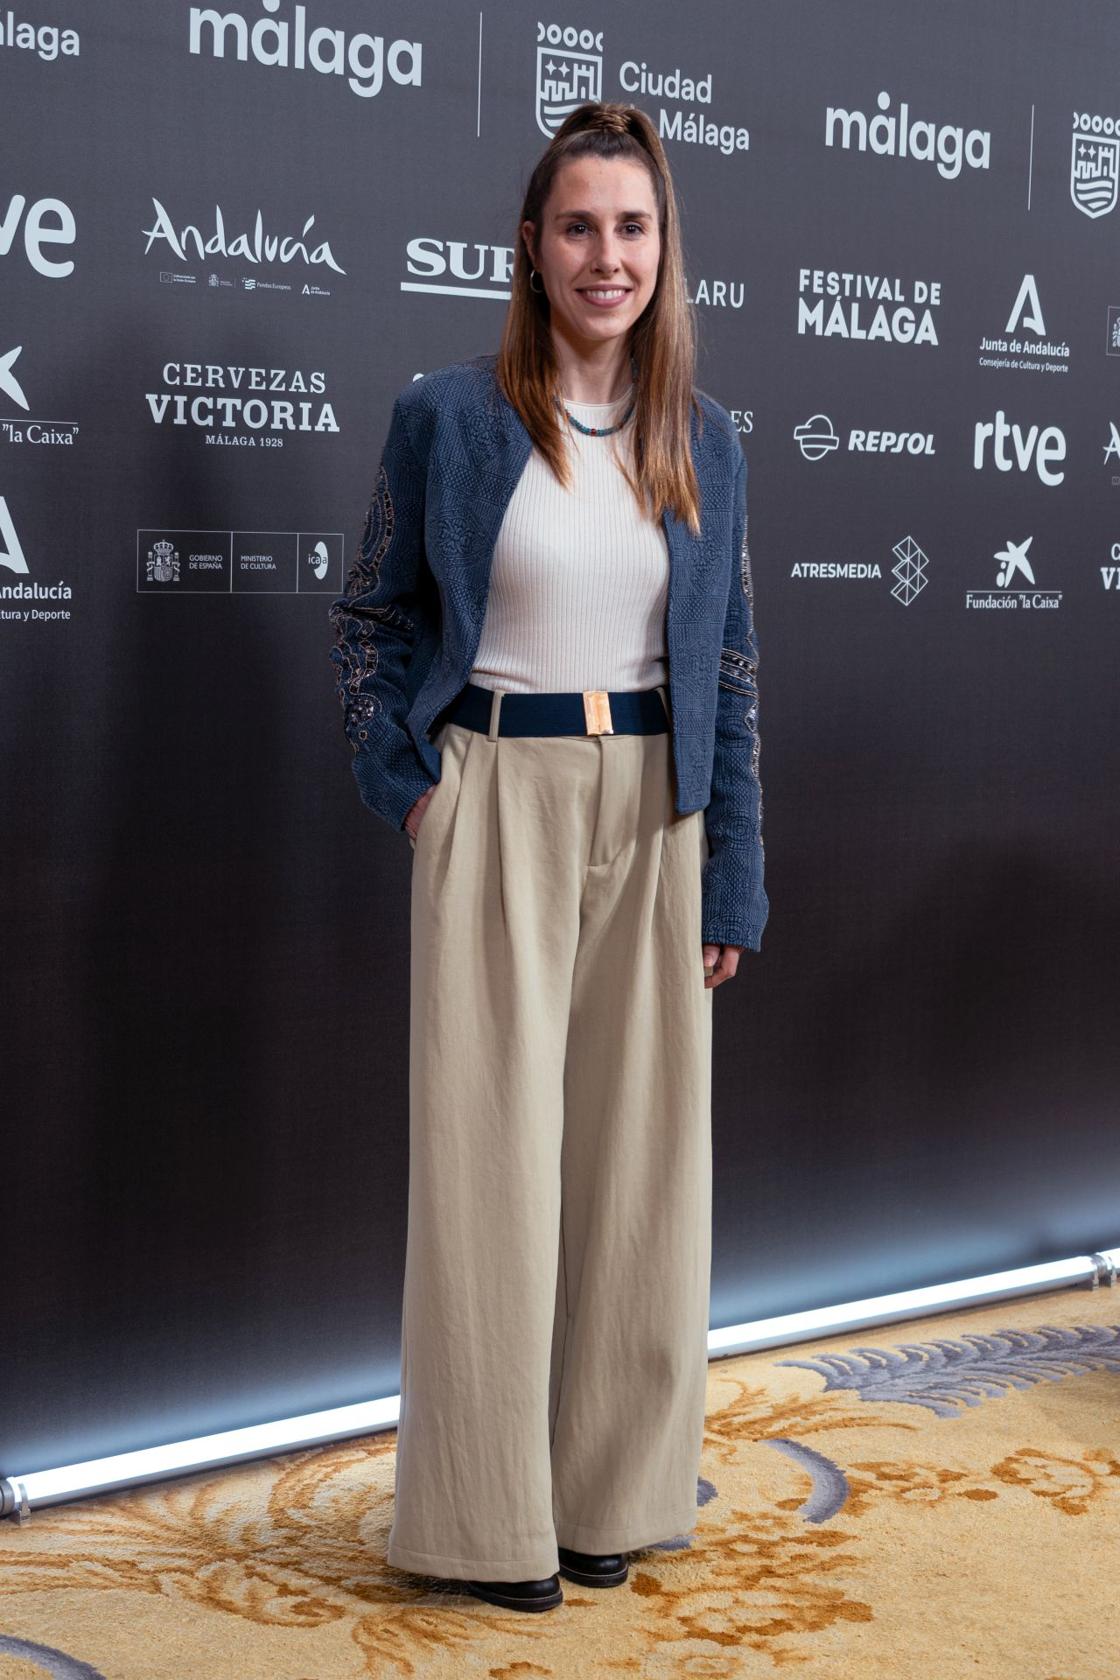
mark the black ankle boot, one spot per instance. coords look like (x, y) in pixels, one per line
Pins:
(519, 1595)
(594, 1569)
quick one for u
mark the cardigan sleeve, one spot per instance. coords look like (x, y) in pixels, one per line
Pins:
(377, 622)
(735, 905)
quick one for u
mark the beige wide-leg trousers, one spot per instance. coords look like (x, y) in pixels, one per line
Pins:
(557, 1270)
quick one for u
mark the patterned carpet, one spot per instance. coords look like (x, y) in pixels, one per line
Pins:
(928, 1501)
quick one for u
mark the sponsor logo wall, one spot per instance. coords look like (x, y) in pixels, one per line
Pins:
(230, 234)
(144, 222)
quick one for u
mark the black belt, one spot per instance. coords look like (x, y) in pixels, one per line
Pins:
(589, 711)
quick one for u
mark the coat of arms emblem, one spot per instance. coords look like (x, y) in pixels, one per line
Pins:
(163, 563)
(1094, 164)
(569, 73)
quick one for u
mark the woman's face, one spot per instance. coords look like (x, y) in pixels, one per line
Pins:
(598, 230)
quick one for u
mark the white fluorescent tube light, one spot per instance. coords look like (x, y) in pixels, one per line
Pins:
(912, 1303)
(204, 1452)
(20, 1492)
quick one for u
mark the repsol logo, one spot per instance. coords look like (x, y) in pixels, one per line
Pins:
(818, 437)
(891, 443)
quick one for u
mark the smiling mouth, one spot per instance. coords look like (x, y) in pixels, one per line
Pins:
(604, 292)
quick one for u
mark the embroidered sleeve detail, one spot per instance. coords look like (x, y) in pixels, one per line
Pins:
(737, 671)
(357, 621)
(377, 535)
(738, 666)
(735, 809)
(745, 569)
(384, 619)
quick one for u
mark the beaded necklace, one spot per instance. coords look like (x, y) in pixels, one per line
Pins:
(596, 431)
(602, 431)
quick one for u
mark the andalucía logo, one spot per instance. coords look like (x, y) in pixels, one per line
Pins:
(1094, 163)
(12, 556)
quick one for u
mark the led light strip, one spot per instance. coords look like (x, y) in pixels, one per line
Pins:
(20, 1492)
(915, 1303)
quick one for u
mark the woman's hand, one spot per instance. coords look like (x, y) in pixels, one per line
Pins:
(720, 963)
(415, 812)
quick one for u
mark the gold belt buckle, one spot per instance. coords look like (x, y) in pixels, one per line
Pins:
(597, 711)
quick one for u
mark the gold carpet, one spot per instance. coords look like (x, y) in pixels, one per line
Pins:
(929, 1501)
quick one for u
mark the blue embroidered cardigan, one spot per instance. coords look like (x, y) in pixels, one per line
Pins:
(407, 627)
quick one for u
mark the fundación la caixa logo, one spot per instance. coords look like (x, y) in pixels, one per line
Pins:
(1014, 562)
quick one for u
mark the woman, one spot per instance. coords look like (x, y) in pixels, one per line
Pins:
(547, 661)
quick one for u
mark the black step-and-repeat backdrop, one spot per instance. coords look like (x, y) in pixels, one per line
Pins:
(228, 236)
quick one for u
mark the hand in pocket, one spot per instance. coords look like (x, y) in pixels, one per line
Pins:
(415, 814)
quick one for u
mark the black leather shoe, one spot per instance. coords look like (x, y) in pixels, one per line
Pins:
(594, 1569)
(520, 1595)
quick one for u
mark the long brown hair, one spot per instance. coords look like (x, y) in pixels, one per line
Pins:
(662, 342)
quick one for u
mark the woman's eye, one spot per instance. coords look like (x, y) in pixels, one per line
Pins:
(636, 226)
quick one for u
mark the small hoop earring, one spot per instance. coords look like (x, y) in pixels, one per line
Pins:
(538, 289)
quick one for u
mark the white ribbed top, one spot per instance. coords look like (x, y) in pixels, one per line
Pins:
(579, 578)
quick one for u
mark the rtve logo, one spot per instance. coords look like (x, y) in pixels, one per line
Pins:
(38, 232)
(1036, 446)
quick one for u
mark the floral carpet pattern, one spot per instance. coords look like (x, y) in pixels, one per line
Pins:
(919, 1509)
